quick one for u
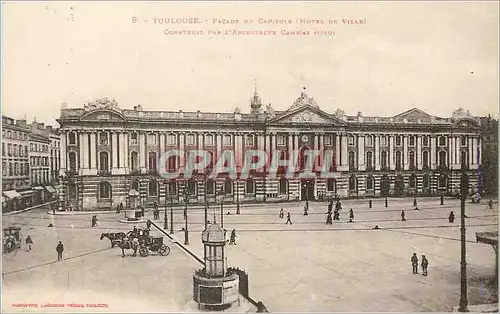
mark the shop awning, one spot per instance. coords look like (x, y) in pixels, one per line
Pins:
(12, 194)
(133, 192)
(38, 188)
(50, 189)
(27, 193)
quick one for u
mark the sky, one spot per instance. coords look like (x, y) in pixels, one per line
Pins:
(436, 56)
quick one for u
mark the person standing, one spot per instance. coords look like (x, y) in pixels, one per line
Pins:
(490, 204)
(451, 217)
(414, 263)
(425, 264)
(403, 215)
(329, 218)
(305, 211)
(232, 239)
(281, 214)
(288, 219)
(351, 215)
(93, 222)
(29, 242)
(60, 250)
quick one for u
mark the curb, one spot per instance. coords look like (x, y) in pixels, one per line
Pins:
(27, 209)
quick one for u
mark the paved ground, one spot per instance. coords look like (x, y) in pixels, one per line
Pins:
(308, 266)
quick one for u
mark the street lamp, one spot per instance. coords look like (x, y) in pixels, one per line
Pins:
(186, 200)
(237, 196)
(172, 210)
(221, 195)
(464, 186)
(167, 193)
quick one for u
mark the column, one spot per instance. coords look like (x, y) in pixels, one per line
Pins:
(361, 152)
(418, 153)
(470, 152)
(322, 150)
(268, 144)
(475, 160)
(86, 148)
(162, 144)
(115, 149)
(480, 151)
(62, 153)
(392, 153)
(296, 141)
(260, 142)
(344, 152)
(337, 151)
(82, 151)
(405, 152)
(450, 151)
(238, 150)
(377, 153)
(93, 156)
(181, 142)
(457, 151)
(126, 154)
(218, 151)
(121, 148)
(433, 152)
(290, 142)
(142, 151)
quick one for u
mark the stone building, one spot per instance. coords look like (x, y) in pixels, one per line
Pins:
(15, 167)
(107, 151)
(40, 163)
(489, 162)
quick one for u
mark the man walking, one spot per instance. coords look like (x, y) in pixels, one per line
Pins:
(414, 263)
(233, 237)
(288, 219)
(451, 217)
(425, 264)
(29, 242)
(351, 215)
(59, 249)
(93, 222)
(403, 215)
(281, 214)
(490, 204)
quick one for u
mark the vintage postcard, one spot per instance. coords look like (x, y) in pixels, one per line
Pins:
(250, 156)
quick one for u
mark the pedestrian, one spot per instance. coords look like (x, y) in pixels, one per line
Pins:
(53, 210)
(29, 242)
(403, 215)
(148, 224)
(451, 217)
(490, 204)
(96, 220)
(281, 215)
(425, 264)
(414, 263)
(351, 215)
(60, 249)
(93, 222)
(288, 219)
(329, 218)
(121, 206)
(232, 239)
(305, 211)
(416, 208)
(117, 209)
(142, 211)
(307, 204)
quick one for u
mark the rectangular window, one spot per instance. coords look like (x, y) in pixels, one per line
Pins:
(425, 141)
(463, 140)
(280, 140)
(226, 140)
(442, 141)
(412, 140)
(328, 140)
(190, 139)
(351, 140)
(15, 150)
(398, 140)
(209, 140)
(249, 140)
(383, 141)
(369, 141)
(171, 139)
(151, 139)
(3, 149)
(9, 149)
(133, 139)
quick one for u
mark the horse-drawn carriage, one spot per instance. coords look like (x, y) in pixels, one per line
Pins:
(153, 244)
(11, 239)
(140, 240)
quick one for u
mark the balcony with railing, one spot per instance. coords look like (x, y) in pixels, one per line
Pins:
(104, 173)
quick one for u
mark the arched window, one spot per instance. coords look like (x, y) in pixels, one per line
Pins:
(191, 187)
(153, 188)
(136, 186)
(228, 186)
(425, 159)
(411, 160)
(152, 161)
(103, 161)
(383, 159)
(413, 181)
(250, 186)
(369, 160)
(399, 161)
(331, 185)
(134, 162)
(352, 160)
(172, 163)
(104, 190)
(426, 181)
(352, 183)
(283, 186)
(72, 161)
(172, 188)
(72, 191)
(370, 183)
(442, 158)
(210, 187)
(385, 183)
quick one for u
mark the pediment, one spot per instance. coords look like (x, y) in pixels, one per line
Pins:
(414, 114)
(466, 122)
(308, 115)
(103, 115)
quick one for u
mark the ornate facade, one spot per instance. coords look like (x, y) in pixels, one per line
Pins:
(106, 152)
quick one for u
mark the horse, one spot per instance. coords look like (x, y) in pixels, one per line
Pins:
(128, 244)
(115, 238)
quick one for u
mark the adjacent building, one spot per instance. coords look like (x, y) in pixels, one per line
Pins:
(489, 162)
(108, 153)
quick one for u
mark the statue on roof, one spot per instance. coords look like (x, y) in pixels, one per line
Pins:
(270, 111)
(303, 100)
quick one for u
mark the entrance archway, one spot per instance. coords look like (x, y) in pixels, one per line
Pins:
(307, 189)
(385, 184)
(399, 185)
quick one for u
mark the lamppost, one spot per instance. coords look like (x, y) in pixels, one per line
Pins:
(221, 195)
(167, 193)
(464, 186)
(172, 211)
(237, 196)
(186, 200)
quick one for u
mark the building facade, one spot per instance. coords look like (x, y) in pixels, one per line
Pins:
(15, 167)
(108, 152)
(489, 162)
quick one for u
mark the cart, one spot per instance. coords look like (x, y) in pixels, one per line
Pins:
(11, 239)
(154, 245)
